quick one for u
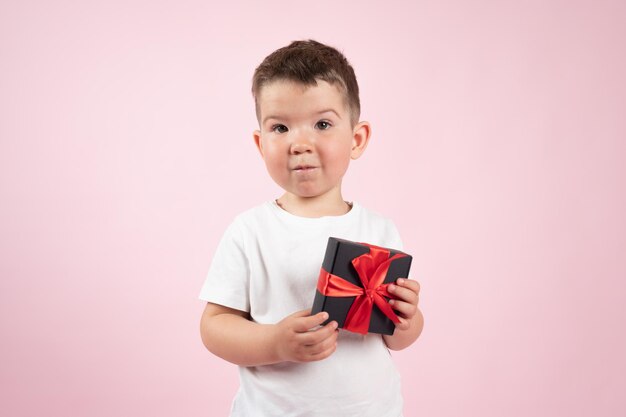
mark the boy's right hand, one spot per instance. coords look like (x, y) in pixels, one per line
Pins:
(296, 342)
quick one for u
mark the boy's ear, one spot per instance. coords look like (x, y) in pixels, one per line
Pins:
(360, 138)
(257, 141)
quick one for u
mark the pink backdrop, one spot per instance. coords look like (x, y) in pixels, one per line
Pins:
(499, 148)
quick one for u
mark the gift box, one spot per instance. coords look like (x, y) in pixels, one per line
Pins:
(352, 285)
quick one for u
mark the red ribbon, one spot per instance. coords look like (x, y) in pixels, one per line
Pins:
(372, 268)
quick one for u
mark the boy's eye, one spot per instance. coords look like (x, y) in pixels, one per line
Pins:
(279, 128)
(322, 125)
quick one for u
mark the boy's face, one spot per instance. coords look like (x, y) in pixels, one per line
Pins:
(306, 137)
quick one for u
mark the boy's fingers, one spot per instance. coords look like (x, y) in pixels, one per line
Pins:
(319, 335)
(404, 294)
(403, 325)
(409, 283)
(304, 324)
(323, 346)
(404, 308)
(322, 355)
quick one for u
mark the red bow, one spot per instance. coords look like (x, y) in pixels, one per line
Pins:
(372, 268)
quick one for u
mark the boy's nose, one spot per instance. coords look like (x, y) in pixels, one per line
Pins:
(300, 146)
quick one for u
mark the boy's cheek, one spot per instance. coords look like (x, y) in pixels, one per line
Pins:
(338, 166)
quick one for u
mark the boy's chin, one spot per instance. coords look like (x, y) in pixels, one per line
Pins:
(305, 195)
(309, 194)
(308, 191)
(301, 193)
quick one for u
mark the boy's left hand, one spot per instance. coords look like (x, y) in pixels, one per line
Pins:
(407, 291)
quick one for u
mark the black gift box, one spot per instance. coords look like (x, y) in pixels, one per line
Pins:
(338, 261)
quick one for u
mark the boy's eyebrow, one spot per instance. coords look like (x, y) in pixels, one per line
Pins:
(329, 110)
(271, 116)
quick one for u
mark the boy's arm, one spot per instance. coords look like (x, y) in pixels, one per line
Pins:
(229, 334)
(411, 318)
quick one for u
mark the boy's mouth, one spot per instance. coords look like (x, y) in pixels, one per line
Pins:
(304, 167)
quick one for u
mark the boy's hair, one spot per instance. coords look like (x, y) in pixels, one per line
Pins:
(306, 62)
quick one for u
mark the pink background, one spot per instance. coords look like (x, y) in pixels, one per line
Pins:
(499, 148)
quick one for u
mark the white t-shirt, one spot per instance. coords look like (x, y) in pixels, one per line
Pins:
(267, 264)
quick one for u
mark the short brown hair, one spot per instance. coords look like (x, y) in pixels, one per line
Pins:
(306, 62)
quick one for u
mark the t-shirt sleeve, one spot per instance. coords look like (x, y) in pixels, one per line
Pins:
(228, 277)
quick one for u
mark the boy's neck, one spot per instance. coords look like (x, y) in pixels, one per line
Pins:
(314, 206)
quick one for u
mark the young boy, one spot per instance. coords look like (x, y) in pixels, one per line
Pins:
(263, 277)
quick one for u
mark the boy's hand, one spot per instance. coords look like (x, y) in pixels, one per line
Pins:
(296, 342)
(408, 293)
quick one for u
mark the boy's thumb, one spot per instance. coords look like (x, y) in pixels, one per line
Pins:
(311, 322)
